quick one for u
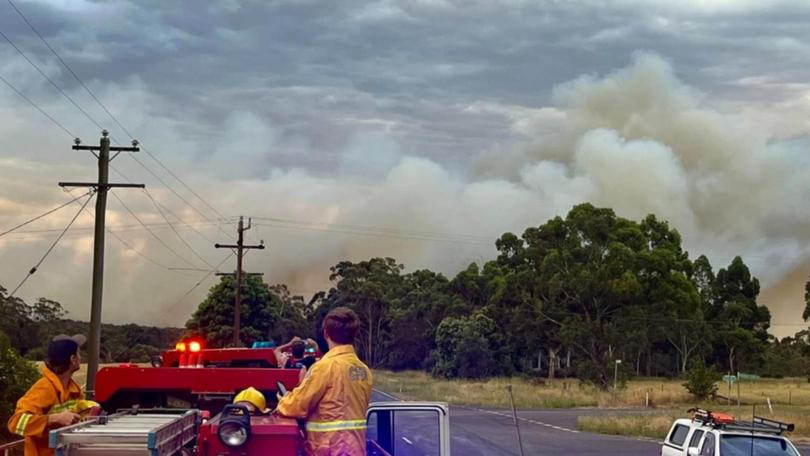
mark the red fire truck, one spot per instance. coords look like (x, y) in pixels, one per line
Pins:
(182, 405)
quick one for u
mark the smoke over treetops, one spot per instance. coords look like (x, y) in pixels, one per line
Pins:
(637, 140)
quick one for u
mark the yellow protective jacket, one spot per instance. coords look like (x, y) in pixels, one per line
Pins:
(47, 396)
(333, 398)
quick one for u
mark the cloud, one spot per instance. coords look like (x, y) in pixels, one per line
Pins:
(442, 123)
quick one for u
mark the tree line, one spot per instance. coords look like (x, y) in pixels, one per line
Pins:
(570, 297)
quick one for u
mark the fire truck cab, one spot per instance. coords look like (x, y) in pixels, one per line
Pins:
(182, 405)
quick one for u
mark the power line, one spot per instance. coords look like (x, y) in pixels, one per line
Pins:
(129, 246)
(114, 118)
(179, 301)
(117, 228)
(157, 207)
(50, 249)
(178, 195)
(385, 229)
(219, 228)
(31, 62)
(292, 226)
(75, 104)
(45, 214)
(42, 111)
(161, 241)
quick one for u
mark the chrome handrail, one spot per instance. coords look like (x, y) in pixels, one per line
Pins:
(8, 447)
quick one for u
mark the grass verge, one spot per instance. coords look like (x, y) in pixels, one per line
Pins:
(655, 425)
(570, 393)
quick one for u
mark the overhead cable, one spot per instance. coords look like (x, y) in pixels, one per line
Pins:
(50, 249)
(158, 238)
(31, 62)
(157, 207)
(111, 115)
(45, 214)
(179, 301)
(36, 106)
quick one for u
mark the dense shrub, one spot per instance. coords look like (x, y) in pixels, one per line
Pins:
(16, 376)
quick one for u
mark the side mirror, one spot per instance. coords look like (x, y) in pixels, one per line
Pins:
(692, 451)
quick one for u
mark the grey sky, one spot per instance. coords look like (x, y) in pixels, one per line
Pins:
(430, 116)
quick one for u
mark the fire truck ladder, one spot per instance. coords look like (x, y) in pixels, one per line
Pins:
(147, 432)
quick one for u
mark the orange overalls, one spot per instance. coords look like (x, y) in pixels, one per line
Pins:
(333, 398)
(45, 397)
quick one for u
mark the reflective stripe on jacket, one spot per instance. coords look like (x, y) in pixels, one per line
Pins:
(30, 419)
(333, 398)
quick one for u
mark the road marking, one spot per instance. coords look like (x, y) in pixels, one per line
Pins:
(407, 441)
(539, 423)
(386, 394)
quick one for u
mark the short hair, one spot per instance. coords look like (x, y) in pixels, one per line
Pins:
(59, 354)
(341, 325)
(298, 348)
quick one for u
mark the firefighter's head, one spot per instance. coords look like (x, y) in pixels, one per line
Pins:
(64, 354)
(340, 326)
(298, 348)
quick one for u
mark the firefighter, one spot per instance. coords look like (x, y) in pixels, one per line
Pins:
(334, 396)
(54, 400)
(298, 353)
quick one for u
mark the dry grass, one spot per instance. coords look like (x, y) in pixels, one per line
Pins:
(656, 424)
(567, 393)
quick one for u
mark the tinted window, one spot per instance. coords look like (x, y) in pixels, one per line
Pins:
(743, 445)
(678, 435)
(708, 445)
(693, 442)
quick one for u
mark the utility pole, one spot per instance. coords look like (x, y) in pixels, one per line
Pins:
(240, 248)
(102, 187)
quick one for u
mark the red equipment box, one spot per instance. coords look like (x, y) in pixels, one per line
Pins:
(269, 435)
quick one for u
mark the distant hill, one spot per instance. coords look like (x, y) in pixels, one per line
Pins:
(119, 343)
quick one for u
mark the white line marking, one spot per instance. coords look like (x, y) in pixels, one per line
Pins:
(388, 395)
(407, 441)
(539, 423)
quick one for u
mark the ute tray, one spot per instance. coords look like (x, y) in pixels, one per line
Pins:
(145, 432)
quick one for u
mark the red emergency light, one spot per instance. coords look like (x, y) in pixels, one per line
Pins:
(190, 353)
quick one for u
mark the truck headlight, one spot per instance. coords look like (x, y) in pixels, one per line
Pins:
(233, 433)
(234, 426)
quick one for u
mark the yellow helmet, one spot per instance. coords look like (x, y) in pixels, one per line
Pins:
(253, 396)
(88, 408)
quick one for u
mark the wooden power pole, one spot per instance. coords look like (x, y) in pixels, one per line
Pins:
(240, 247)
(102, 187)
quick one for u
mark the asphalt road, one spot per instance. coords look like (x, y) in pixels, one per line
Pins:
(480, 432)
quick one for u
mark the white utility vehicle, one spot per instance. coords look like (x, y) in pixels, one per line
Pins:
(720, 434)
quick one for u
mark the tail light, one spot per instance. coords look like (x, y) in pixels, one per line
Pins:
(181, 346)
(194, 347)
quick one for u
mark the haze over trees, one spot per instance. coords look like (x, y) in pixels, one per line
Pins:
(568, 297)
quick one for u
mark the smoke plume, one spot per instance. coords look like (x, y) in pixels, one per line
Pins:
(637, 140)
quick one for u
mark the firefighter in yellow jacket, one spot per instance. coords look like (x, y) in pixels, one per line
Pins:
(334, 396)
(54, 401)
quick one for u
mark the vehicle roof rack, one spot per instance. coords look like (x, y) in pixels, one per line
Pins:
(728, 422)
